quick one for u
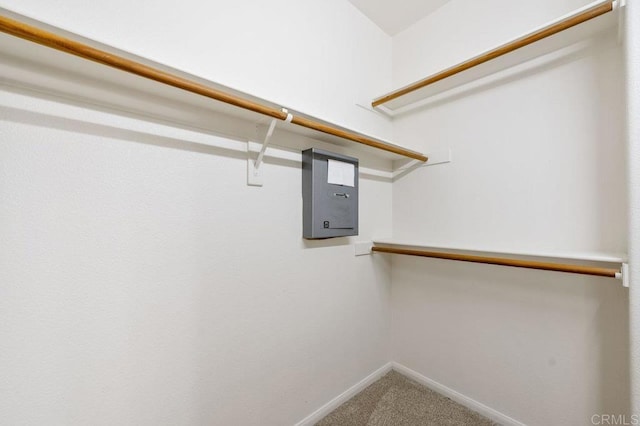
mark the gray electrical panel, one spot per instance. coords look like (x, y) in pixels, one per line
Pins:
(329, 194)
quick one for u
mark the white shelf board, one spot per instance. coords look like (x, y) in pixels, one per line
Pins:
(54, 73)
(578, 256)
(539, 54)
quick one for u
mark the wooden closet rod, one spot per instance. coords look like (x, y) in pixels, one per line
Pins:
(546, 266)
(571, 21)
(54, 41)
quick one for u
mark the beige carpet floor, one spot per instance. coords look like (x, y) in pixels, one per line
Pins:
(395, 400)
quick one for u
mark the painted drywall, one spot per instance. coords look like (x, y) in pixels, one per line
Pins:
(538, 165)
(142, 281)
(320, 58)
(632, 50)
(397, 16)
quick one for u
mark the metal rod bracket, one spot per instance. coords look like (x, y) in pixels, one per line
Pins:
(254, 175)
(624, 275)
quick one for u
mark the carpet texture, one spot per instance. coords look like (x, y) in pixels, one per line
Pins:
(395, 400)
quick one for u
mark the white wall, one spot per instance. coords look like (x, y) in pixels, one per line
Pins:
(538, 165)
(142, 281)
(632, 50)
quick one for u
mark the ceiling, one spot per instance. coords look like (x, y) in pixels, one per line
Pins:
(394, 16)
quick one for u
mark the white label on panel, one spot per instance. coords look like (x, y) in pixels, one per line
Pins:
(341, 173)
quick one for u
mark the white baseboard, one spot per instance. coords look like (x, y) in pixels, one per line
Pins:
(461, 399)
(321, 412)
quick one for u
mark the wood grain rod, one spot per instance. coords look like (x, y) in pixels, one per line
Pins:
(57, 42)
(526, 40)
(529, 264)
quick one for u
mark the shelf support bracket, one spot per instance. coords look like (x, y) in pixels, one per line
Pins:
(254, 174)
(624, 275)
(435, 157)
(265, 143)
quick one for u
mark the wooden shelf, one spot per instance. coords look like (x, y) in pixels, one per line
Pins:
(74, 67)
